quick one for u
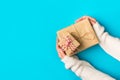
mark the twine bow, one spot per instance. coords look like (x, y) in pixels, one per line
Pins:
(68, 44)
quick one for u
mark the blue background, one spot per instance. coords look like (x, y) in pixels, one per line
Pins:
(28, 37)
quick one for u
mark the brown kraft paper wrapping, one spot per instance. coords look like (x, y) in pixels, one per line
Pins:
(83, 32)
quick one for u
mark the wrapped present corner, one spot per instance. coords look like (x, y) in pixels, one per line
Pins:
(68, 44)
(82, 32)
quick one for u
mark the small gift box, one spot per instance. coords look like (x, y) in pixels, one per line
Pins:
(68, 44)
(82, 32)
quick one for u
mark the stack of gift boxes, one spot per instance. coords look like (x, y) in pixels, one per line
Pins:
(77, 37)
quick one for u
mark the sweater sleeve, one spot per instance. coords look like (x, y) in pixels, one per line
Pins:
(110, 44)
(84, 70)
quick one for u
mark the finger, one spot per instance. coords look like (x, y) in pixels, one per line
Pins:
(91, 18)
(79, 20)
(58, 48)
(60, 55)
(63, 53)
(92, 21)
(84, 17)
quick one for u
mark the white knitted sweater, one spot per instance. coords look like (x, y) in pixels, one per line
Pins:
(86, 71)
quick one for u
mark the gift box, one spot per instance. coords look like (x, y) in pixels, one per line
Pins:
(82, 32)
(68, 43)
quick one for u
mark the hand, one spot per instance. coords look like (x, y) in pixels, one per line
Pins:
(92, 20)
(61, 53)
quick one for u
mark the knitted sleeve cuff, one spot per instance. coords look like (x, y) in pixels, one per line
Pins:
(70, 61)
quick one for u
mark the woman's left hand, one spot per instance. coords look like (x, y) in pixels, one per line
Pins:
(61, 53)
